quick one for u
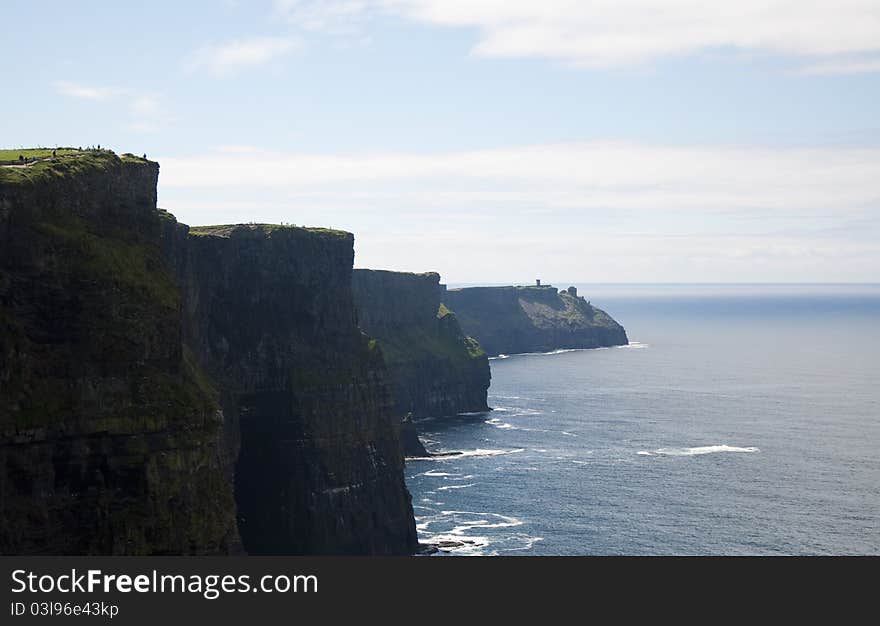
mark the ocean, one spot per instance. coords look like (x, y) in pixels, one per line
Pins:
(741, 420)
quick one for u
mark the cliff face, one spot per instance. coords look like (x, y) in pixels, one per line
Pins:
(161, 390)
(269, 312)
(436, 369)
(110, 435)
(509, 320)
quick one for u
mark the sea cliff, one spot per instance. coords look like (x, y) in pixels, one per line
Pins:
(436, 369)
(509, 320)
(270, 313)
(165, 388)
(110, 434)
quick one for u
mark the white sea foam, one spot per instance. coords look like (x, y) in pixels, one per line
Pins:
(488, 452)
(497, 423)
(528, 542)
(448, 487)
(455, 527)
(449, 455)
(504, 521)
(552, 352)
(632, 344)
(526, 411)
(635, 345)
(436, 473)
(695, 451)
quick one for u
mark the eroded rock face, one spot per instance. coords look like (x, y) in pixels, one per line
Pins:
(435, 368)
(110, 434)
(509, 320)
(270, 315)
(153, 382)
(410, 443)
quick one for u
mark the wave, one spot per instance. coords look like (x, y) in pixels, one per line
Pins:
(527, 411)
(631, 344)
(550, 353)
(695, 451)
(448, 487)
(446, 455)
(451, 532)
(479, 452)
(514, 411)
(497, 423)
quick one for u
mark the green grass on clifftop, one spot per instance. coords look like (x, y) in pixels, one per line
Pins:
(34, 153)
(226, 230)
(70, 164)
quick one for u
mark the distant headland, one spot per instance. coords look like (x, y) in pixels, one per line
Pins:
(537, 318)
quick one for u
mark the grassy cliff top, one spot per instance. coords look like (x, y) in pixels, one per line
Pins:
(366, 270)
(226, 230)
(34, 153)
(68, 162)
(523, 288)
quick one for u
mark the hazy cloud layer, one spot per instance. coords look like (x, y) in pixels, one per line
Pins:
(588, 211)
(584, 175)
(613, 33)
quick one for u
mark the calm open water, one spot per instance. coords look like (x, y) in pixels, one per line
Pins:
(742, 420)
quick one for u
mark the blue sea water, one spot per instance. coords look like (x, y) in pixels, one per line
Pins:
(742, 419)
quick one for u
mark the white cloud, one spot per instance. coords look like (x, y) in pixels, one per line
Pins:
(598, 175)
(587, 211)
(609, 33)
(87, 92)
(230, 57)
(146, 111)
(335, 16)
(148, 114)
(844, 66)
(579, 254)
(146, 106)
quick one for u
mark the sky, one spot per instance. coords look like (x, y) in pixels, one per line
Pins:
(493, 141)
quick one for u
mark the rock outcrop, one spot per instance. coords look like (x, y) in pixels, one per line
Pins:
(411, 445)
(163, 388)
(436, 369)
(269, 312)
(509, 320)
(110, 434)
